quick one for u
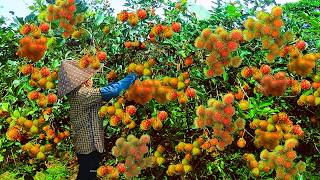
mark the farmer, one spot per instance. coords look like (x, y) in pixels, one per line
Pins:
(85, 102)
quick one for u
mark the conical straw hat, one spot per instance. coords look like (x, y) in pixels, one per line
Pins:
(71, 76)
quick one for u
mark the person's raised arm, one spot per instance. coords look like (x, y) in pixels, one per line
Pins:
(114, 89)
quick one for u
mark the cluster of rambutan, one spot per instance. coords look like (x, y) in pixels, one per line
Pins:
(76, 34)
(142, 69)
(240, 93)
(41, 78)
(37, 150)
(143, 91)
(41, 99)
(281, 159)
(133, 151)
(311, 99)
(118, 114)
(164, 31)
(270, 132)
(267, 28)
(274, 85)
(158, 158)
(135, 45)
(33, 45)
(254, 72)
(191, 151)
(155, 122)
(109, 171)
(64, 12)
(132, 17)
(220, 44)
(301, 64)
(94, 61)
(219, 115)
(169, 89)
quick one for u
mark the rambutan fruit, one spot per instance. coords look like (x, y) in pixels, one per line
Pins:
(297, 130)
(52, 98)
(305, 84)
(176, 27)
(229, 110)
(145, 139)
(277, 23)
(162, 115)
(236, 35)
(157, 124)
(206, 33)
(241, 142)
(291, 143)
(142, 14)
(101, 56)
(188, 61)
(265, 69)
(228, 98)
(33, 95)
(131, 110)
(44, 27)
(244, 104)
(199, 43)
(276, 11)
(301, 45)
(246, 72)
(123, 16)
(235, 61)
(26, 69)
(121, 167)
(232, 45)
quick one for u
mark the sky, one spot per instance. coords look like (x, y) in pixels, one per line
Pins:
(20, 7)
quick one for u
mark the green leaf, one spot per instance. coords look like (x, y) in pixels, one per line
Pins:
(5, 106)
(16, 113)
(99, 19)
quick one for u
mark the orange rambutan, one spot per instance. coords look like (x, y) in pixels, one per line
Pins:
(206, 33)
(276, 11)
(142, 14)
(232, 45)
(176, 27)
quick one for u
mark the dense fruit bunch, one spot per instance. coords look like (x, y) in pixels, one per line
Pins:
(219, 115)
(133, 151)
(135, 45)
(270, 132)
(117, 114)
(41, 99)
(301, 64)
(164, 31)
(94, 61)
(267, 28)
(281, 159)
(142, 69)
(155, 122)
(158, 157)
(42, 78)
(274, 85)
(33, 45)
(132, 17)
(64, 12)
(220, 44)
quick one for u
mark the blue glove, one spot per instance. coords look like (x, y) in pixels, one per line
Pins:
(114, 89)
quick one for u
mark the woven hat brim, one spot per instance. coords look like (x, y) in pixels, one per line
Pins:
(71, 76)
